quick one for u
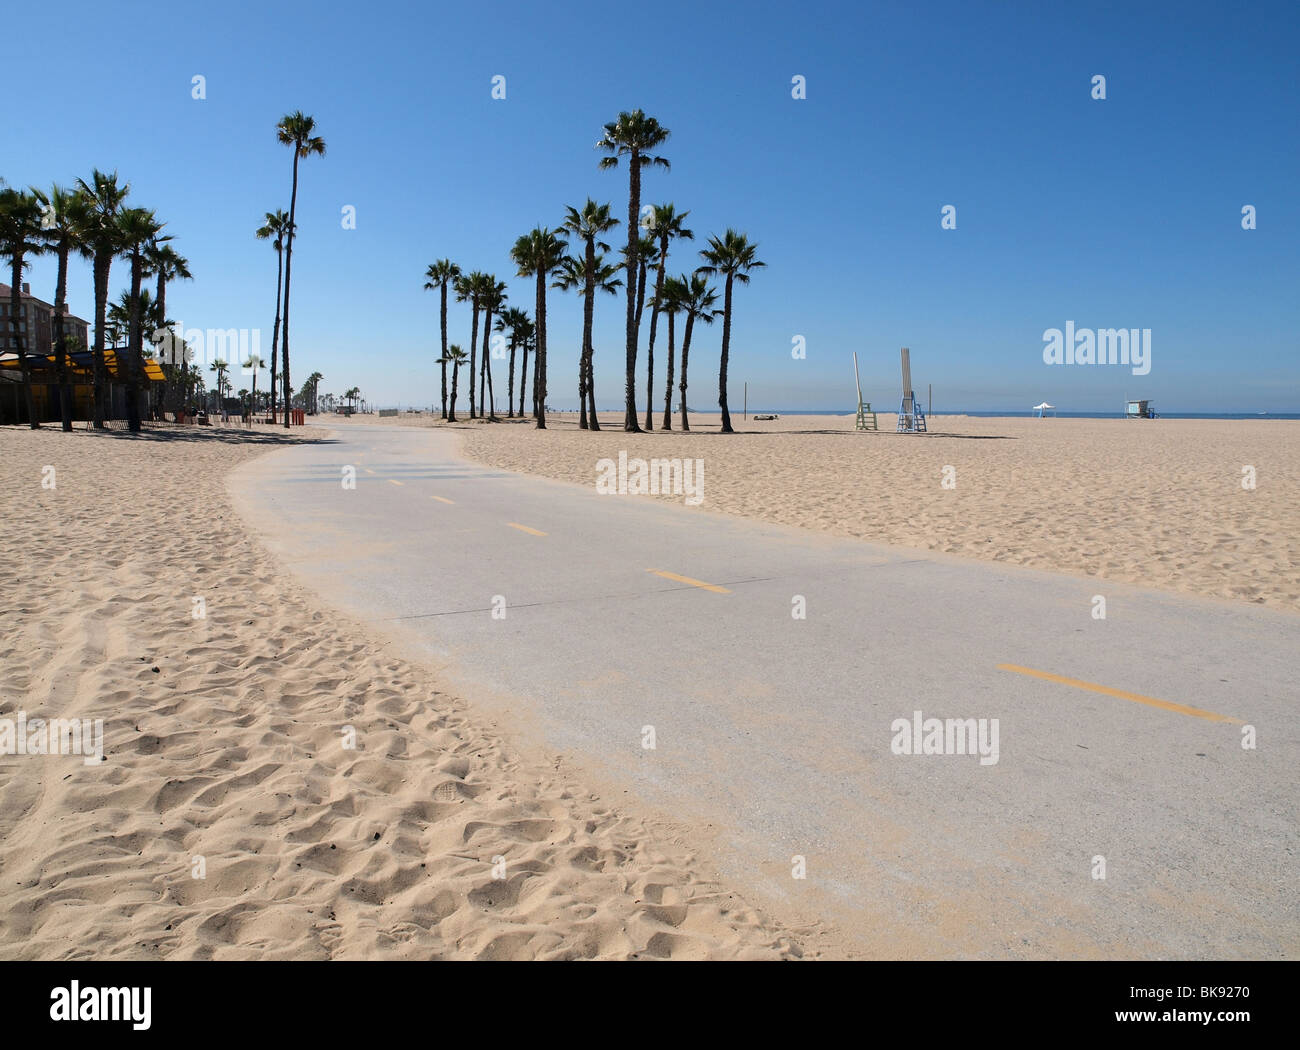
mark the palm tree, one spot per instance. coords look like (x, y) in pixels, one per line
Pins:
(494, 299)
(588, 274)
(138, 228)
(313, 382)
(664, 225)
(439, 275)
(455, 356)
(697, 301)
(633, 135)
(298, 131)
(219, 367)
(104, 198)
(352, 395)
(254, 362)
(731, 255)
(529, 343)
(65, 229)
(536, 254)
(275, 229)
(589, 225)
(514, 321)
(21, 237)
(469, 289)
(668, 300)
(166, 264)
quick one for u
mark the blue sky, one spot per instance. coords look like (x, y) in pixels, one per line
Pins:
(1117, 213)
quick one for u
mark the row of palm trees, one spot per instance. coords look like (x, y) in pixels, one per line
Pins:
(93, 221)
(543, 254)
(296, 130)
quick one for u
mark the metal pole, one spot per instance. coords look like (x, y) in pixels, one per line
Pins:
(930, 399)
(746, 399)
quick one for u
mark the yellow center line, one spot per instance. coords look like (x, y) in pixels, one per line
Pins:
(442, 499)
(1137, 698)
(686, 579)
(367, 470)
(525, 528)
(392, 482)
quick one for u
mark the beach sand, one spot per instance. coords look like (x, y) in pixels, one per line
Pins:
(1158, 503)
(224, 750)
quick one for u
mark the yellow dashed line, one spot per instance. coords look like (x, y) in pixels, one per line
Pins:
(442, 499)
(686, 579)
(392, 482)
(525, 528)
(367, 470)
(1137, 698)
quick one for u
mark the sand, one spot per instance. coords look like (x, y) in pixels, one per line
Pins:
(1158, 503)
(224, 755)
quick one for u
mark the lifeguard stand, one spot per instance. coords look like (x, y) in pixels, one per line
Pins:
(1139, 410)
(866, 417)
(911, 420)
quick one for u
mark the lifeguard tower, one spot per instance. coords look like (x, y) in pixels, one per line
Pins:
(911, 420)
(866, 417)
(1139, 410)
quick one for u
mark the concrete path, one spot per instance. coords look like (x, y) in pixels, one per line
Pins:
(1119, 740)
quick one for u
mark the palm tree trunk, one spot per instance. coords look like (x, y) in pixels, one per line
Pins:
(275, 332)
(487, 370)
(473, 356)
(654, 324)
(539, 380)
(650, 354)
(444, 349)
(523, 380)
(288, 272)
(134, 346)
(633, 207)
(722, 366)
(61, 341)
(103, 264)
(668, 394)
(510, 392)
(455, 376)
(686, 349)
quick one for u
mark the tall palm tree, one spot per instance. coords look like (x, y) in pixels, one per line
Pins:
(454, 356)
(589, 225)
(138, 227)
(20, 238)
(439, 275)
(297, 131)
(469, 289)
(165, 264)
(733, 256)
(589, 274)
(665, 225)
(494, 300)
(104, 199)
(536, 254)
(312, 385)
(275, 229)
(633, 136)
(697, 301)
(668, 301)
(64, 224)
(515, 321)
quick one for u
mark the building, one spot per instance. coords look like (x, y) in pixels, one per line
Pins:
(37, 324)
(37, 327)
